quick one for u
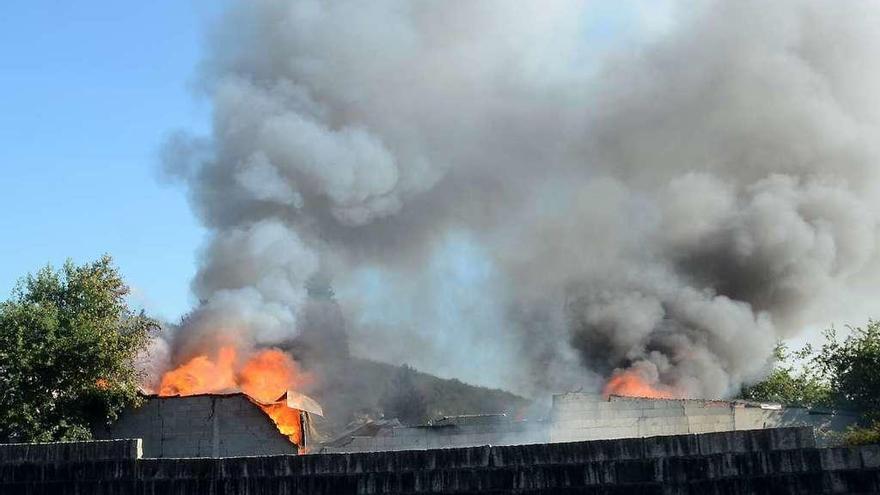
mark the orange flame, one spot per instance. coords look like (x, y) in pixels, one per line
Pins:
(287, 420)
(632, 383)
(268, 374)
(264, 377)
(201, 375)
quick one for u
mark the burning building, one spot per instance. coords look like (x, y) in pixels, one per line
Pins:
(218, 425)
(625, 229)
(232, 401)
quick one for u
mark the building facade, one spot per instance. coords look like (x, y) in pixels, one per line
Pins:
(209, 425)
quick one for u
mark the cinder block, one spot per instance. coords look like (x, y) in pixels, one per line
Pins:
(663, 422)
(661, 413)
(614, 423)
(622, 405)
(840, 459)
(575, 402)
(558, 416)
(621, 413)
(708, 410)
(570, 424)
(618, 432)
(870, 455)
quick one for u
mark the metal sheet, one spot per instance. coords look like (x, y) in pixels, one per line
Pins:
(296, 400)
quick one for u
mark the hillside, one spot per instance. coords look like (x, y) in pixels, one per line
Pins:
(351, 389)
(355, 390)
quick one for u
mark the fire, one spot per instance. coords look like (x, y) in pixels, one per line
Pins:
(287, 420)
(201, 375)
(632, 383)
(264, 376)
(268, 374)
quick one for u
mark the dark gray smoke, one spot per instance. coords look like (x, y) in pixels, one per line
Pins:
(505, 196)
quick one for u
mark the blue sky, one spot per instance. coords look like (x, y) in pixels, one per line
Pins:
(88, 91)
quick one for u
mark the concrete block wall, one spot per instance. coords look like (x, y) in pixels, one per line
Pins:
(580, 416)
(58, 452)
(759, 461)
(200, 426)
(577, 417)
(822, 421)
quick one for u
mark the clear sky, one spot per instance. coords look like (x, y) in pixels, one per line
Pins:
(88, 91)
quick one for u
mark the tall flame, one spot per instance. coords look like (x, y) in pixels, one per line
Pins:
(264, 376)
(632, 383)
(201, 375)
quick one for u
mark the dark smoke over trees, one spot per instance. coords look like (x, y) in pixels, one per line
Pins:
(503, 197)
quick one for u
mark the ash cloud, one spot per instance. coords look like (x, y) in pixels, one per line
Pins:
(503, 197)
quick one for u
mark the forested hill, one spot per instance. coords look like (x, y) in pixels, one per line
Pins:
(369, 388)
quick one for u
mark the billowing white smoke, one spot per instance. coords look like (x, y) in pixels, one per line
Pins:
(505, 196)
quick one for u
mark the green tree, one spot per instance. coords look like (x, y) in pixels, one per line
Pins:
(68, 342)
(843, 373)
(786, 385)
(852, 366)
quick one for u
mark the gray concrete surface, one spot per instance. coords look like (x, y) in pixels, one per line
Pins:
(200, 426)
(779, 461)
(580, 417)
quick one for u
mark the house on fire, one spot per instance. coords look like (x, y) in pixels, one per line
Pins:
(217, 425)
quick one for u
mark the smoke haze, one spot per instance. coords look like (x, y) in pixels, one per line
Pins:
(503, 195)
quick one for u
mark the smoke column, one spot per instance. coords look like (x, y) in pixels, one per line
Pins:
(504, 192)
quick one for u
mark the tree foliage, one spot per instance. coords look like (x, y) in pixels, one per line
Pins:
(862, 435)
(787, 385)
(68, 342)
(852, 366)
(843, 373)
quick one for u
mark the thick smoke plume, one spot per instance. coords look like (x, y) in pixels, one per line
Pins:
(517, 194)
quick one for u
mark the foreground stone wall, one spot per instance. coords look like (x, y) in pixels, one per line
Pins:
(200, 426)
(778, 461)
(70, 452)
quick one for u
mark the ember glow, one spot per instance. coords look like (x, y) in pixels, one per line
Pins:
(631, 383)
(264, 376)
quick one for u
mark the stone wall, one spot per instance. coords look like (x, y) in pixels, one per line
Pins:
(200, 426)
(778, 461)
(65, 452)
